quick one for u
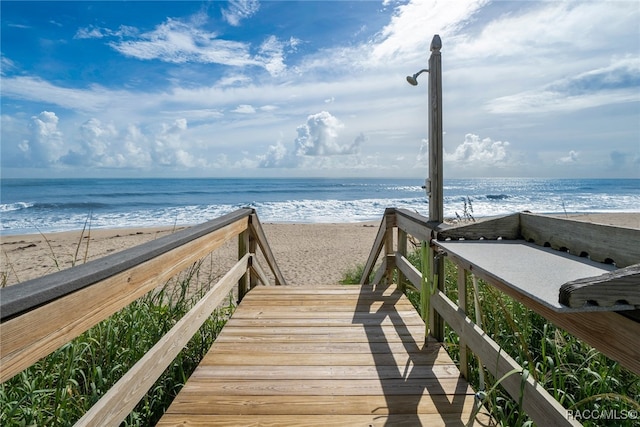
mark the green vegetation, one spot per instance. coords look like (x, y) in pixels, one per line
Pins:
(60, 388)
(577, 375)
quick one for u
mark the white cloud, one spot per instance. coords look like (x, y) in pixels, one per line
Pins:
(46, 141)
(244, 109)
(271, 54)
(483, 152)
(180, 42)
(316, 146)
(616, 83)
(319, 137)
(93, 32)
(413, 25)
(552, 28)
(237, 10)
(569, 159)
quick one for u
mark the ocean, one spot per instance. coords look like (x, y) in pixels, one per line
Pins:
(48, 205)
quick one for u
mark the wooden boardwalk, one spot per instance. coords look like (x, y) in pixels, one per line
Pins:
(348, 356)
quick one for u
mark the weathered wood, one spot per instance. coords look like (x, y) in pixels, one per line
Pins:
(409, 271)
(196, 403)
(243, 250)
(532, 270)
(382, 269)
(259, 272)
(261, 240)
(609, 332)
(372, 366)
(28, 337)
(120, 400)
(543, 409)
(416, 225)
(376, 249)
(620, 286)
(462, 303)
(389, 252)
(370, 420)
(602, 243)
(401, 252)
(505, 227)
(28, 295)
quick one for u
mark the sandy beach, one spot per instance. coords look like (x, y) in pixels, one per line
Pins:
(307, 254)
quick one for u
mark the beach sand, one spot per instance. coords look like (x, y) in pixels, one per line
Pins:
(307, 254)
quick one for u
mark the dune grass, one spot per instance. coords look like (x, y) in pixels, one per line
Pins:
(582, 379)
(60, 388)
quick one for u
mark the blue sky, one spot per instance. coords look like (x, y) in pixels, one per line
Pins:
(283, 88)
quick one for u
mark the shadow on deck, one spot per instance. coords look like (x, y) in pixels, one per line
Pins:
(350, 355)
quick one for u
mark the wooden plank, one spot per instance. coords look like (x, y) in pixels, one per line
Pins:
(543, 409)
(332, 387)
(258, 232)
(619, 287)
(364, 366)
(602, 243)
(197, 403)
(609, 332)
(505, 227)
(258, 272)
(410, 272)
(305, 334)
(120, 400)
(344, 321)
(278, 356)
(416, 225)
(25, 296)
(28, 337)
(372, 420)
(376, 249)
(325, 372)
(532, 270)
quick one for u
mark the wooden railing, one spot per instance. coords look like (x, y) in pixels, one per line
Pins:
(608, 331)
(41, 315)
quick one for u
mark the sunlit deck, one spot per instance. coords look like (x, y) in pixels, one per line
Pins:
(347, 355)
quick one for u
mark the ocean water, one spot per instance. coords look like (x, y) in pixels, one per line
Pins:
(47, 205)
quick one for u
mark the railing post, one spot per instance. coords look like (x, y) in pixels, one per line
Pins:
(388, 253)
(402, 250)
(243, 249)
(462, 303)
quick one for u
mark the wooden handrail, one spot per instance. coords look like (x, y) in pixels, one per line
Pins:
(41, 315)
(588, 326)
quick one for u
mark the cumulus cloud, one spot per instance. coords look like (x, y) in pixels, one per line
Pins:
(483, 152)
(572, 157)
(46, 142)
(317, 139)
(237, 10)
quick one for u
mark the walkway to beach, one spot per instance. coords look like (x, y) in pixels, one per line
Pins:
(349, 355)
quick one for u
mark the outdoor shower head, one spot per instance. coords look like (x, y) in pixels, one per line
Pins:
(413, 80)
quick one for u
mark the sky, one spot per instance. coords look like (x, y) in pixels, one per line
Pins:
(249, 88)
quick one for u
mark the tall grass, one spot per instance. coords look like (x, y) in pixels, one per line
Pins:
(574, 373)
(60, 388)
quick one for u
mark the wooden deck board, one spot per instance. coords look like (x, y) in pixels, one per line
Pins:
(344, 356)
